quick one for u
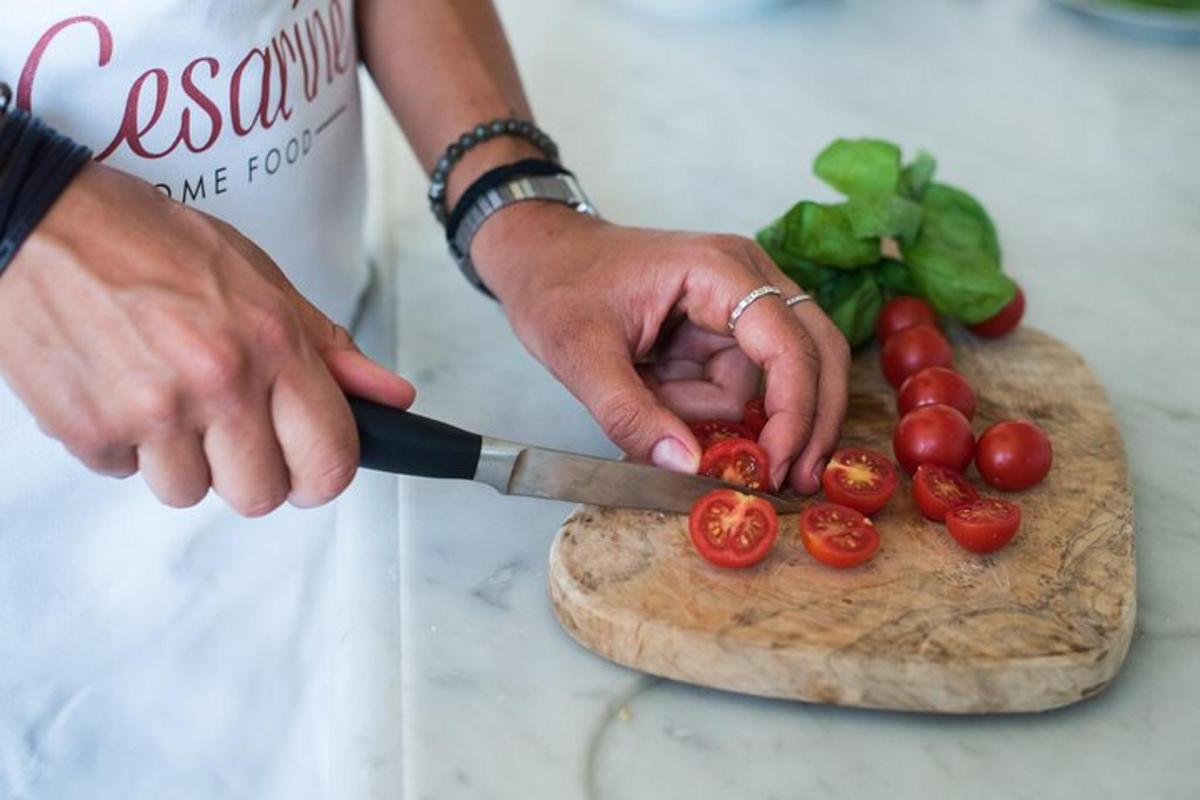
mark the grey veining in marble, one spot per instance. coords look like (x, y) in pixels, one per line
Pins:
(1084, 145)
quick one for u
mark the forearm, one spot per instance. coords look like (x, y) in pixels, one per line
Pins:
(444, 66)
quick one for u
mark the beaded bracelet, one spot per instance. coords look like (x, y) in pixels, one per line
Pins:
(36, 164)
(520, 128)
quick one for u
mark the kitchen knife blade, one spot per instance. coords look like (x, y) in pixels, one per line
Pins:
(405, 443)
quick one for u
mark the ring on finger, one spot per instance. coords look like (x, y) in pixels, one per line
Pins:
(747, 300)
(797, 299)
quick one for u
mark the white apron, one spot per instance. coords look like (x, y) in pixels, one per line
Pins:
(144, 651)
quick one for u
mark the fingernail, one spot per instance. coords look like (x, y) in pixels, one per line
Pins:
(670, 453)
(779, 475)
(819, 470)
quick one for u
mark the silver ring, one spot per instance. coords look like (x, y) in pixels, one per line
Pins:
(745, 302)
(797, 299)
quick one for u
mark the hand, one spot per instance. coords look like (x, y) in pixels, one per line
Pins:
(148, 336)
(633, 322)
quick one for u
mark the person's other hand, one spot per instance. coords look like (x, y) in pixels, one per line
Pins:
(633, 322)
(147, 336)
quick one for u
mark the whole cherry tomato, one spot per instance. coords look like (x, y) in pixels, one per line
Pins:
(1014, 455)
(912, 349)
(903, 312)
(937, 434)
(936, 385)
(1005, 321)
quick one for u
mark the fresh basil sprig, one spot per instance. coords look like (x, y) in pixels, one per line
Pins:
(950, 254)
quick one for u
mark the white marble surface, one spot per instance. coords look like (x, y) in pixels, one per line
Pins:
(1084, 145)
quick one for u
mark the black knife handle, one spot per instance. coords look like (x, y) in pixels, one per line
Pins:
(398, 441)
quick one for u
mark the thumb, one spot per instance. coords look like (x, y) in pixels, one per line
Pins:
(631, 415)
(354, 372)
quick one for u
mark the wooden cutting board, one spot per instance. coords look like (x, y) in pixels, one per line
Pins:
(925, 626)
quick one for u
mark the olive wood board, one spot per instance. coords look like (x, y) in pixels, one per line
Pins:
(924, 626)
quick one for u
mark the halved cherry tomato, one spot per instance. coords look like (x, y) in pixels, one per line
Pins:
(936, 385)
(939, 490)
(1014, 455)
(985, 525)
(1005, 320)
(903, 312)
(737, 461)
(732, 529)
(711, 431)
(755, 417)
(838, 536)
(860, 478)
(910, 350)
(936, 434)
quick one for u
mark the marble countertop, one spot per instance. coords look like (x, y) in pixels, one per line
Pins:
(1084, 146)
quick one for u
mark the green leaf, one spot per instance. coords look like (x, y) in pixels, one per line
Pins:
(883, 215)
(959, 278)
(852, 300)
(860, 166)
(960, 221)
(894, 278)
(773, 240)
(818, 234)
(916, 177)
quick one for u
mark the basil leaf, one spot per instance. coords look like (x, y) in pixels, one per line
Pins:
(916, 177)
(961, 282)
(773, 240)
(860, 166)
(883, 215)
(817, 233)
(960, 221)
(894, 278)
(852, 300)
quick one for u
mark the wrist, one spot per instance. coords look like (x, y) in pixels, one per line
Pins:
(515, 248)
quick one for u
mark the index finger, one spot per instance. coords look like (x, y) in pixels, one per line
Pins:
(774, 339)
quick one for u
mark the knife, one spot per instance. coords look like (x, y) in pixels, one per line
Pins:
(398, 441)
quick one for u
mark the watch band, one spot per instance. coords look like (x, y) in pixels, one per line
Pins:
(554, 188)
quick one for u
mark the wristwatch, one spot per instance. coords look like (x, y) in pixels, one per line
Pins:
(553, 188)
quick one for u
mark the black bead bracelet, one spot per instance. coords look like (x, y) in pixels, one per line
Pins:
(36, 164)
(520, 128)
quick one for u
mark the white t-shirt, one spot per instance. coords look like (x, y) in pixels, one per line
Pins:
(145, 651)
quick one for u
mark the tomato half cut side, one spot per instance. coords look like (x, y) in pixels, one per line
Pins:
(838, 536)
(984, 526)
(739, 461)
(732, 529)
(859, 478)
(755, 416)
(711, 431)
(938, 490)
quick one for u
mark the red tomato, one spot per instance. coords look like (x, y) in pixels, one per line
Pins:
(860, 478)
(838, 536)
(732, 529)
(912, 349)
(936, 434)
(711, 431)
(1014, 455)
(936, 385)
(938, 490)
(737, 461)
(903, 312)
(755, 417)
(984, 525)
(1005, 321)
